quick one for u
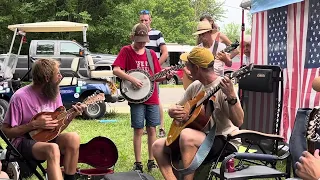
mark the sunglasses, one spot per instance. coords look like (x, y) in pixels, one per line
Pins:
(144, 12)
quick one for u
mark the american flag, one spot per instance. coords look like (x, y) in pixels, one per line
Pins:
(289, 36)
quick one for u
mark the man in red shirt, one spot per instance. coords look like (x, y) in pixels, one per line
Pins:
(134, 56)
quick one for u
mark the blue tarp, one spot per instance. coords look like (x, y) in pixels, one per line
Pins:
(263, 5)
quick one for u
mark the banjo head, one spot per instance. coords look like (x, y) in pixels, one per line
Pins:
(137, 95)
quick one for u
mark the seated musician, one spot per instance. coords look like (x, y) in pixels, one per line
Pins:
(227, 110)
(42, 96)
(130, 57)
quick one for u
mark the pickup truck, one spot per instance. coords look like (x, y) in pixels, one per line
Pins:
(61, 50)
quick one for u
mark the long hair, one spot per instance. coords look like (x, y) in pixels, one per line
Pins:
(43, 70)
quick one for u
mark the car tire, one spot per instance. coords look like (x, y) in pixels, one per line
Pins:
(172, 81)
(4, 105)
(95, 111)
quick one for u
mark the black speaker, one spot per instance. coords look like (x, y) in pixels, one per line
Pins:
(259, 80)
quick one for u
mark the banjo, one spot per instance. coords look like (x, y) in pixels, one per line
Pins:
(139, 95)
(313, 125)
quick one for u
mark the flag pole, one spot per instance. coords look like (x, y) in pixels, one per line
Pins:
(242, 36)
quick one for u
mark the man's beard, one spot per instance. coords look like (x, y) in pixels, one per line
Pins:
(51, 90)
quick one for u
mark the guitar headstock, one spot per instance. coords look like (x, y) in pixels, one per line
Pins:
(232, 47)
(242, 72)
(312, 134)
(94, 98)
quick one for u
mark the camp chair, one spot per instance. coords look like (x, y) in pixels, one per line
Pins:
(260, 94)
(27, 168)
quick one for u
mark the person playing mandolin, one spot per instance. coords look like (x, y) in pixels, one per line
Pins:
(42, 96)
(226, 109)
(134, 56)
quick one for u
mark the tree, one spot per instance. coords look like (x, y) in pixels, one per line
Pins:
(110, 22)
(232, 31)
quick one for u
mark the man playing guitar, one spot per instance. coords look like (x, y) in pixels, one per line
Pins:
(135, 56)
(227, 110)
(42, 96)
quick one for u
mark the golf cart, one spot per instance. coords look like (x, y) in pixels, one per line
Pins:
(74, 88)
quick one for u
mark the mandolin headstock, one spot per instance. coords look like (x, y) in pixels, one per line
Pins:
(312, 134)
(94, 98)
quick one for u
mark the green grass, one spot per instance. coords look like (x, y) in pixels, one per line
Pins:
(170, 86)
(121, 134)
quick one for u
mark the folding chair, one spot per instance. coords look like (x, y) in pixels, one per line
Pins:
(11, 154)
(260, 94)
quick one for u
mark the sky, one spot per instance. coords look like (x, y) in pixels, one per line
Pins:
(233, 13)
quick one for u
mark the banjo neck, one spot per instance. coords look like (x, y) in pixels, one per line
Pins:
(165, 72)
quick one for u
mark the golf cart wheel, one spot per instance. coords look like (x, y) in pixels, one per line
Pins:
(172, 81)
(95, 111)
(3, 107)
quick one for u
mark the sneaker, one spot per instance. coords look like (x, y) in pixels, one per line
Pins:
(151, 165)
(145, 132)
(162, 133)
(137, 166)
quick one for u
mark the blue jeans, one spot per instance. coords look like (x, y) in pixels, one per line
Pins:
(298, 142)
(141, 112)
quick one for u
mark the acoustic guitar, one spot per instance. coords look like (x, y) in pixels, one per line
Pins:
(60, 114)
(312, 134)
(198, 118)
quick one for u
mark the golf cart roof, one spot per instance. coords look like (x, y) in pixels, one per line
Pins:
(52, 26)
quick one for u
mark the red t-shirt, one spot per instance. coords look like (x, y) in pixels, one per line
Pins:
(128, 59)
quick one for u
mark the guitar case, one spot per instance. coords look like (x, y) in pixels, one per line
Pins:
(100, 153)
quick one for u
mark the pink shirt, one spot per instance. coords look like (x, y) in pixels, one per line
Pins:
(25, 103)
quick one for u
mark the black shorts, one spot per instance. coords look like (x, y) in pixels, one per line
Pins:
(25, 148)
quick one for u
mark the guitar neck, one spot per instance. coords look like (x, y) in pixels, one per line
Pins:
(164, 72)
(208, 95)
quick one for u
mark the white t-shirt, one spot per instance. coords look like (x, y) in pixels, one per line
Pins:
(220, 109)
(218, 65)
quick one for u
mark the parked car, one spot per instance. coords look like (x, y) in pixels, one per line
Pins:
(62, 50)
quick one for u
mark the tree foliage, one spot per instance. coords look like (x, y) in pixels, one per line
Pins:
(232, 31)
(110, 22)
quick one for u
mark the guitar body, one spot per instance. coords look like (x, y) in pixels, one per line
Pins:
(45, 135)
(198, 119)
(137, 95)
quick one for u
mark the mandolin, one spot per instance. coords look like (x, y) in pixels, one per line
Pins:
(198, 118)
(312, 134)
(60, 114)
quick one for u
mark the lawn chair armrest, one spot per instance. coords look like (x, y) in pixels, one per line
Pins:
(251, 156)
(254, 135)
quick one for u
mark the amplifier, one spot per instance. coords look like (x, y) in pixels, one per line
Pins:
(259, 80)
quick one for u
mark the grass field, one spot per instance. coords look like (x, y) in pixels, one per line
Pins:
(121, 134)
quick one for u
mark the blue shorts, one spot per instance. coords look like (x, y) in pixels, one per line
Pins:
(140, 112)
